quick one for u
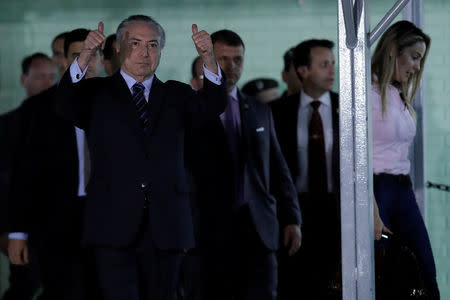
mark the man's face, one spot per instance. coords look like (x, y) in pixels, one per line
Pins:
(140, 51)
(41, 76)
(58, 56)
(197, 82)
(231, 60)
(95, 64)
(318, 78)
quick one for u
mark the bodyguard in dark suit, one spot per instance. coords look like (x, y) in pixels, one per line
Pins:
(137, 215)
(307, 125)
(49, 194)
(38, 74)
(244, 190)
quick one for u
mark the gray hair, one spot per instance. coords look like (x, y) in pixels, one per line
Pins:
(141, 19)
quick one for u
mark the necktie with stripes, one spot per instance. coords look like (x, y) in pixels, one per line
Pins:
(141, 104)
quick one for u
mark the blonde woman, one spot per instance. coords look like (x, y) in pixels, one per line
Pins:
(397, 67)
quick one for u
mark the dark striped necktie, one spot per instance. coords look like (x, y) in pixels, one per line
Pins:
(141, 104)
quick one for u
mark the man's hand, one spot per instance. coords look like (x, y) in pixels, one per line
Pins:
(204, 46)
(94, 41)
(293, 237)
(18, 252)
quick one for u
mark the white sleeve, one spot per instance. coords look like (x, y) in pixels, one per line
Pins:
(217, 79)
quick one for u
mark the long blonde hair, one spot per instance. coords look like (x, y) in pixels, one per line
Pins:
(399, 36)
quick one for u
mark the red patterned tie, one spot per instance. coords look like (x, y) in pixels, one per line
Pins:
(317, 167)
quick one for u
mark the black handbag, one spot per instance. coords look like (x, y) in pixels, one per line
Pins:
(398, 274)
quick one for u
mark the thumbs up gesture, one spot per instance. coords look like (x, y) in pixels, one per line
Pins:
(94, 41)
(204, 46)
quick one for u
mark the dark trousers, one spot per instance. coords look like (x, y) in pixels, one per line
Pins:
(63, 272)
(67, 273)
(246, 269)
(313, 272)
(140, 271)
(191, 277)
(400, 213)
(66, 269)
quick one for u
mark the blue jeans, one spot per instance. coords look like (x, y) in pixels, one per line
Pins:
(400, 213)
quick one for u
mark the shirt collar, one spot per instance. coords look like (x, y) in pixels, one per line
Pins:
(325, 99)
(131, 81)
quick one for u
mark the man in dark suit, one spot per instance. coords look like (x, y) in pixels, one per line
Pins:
(244, 190)
(49, 193)
(38, 74)
(137, 216)
(307, 125)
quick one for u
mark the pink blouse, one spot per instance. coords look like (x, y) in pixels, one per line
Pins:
(392, 133)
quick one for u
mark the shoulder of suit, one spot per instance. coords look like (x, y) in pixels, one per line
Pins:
(334, 96)
(176, 84)
(285, 103)
(253, 102)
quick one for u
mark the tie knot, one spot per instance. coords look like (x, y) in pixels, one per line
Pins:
(315, 104)
(138, 87)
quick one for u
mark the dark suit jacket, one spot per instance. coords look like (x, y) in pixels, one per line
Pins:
(8, 139)
(127, 163)
(268, 187)
(44, 199)
(14, 132)
(285, 114)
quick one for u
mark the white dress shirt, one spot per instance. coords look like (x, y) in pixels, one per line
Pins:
(304, 117)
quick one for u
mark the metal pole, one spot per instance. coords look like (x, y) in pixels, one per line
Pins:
(356, 170)
(386, 21)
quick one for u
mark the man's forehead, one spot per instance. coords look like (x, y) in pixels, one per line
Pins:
(227, 50)
(40, 62)
(141, 31)
(41, 66)
(321, 52)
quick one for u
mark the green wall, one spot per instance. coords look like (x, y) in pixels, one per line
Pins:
(268, 28)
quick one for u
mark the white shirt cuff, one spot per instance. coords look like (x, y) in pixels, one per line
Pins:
(75, 71)
(18, 236)
(217, 79)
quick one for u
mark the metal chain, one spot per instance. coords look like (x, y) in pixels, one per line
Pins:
(438, 186)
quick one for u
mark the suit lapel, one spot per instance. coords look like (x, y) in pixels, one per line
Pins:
(248, 121)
